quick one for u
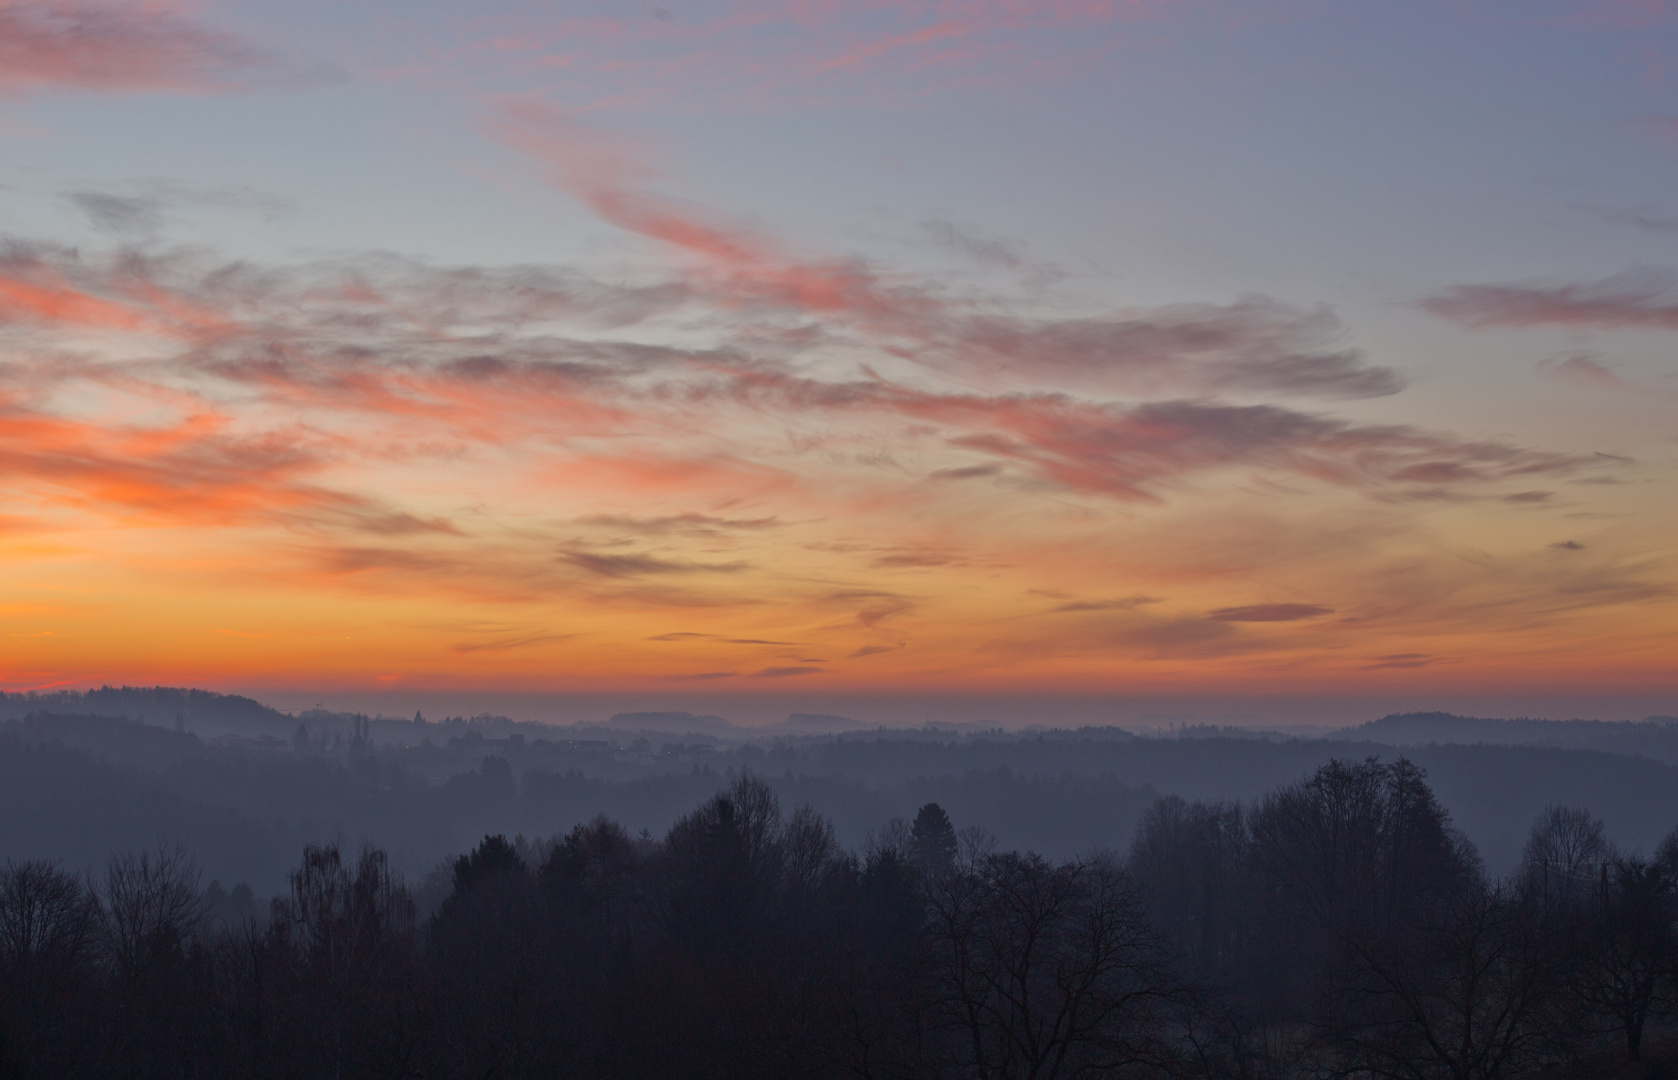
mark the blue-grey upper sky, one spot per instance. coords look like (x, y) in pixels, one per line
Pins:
(877, 347)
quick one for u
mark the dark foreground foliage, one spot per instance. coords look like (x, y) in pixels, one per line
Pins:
(1338, 927)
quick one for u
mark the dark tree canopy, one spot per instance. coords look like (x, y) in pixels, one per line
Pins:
(932, 839)
(1339, 927)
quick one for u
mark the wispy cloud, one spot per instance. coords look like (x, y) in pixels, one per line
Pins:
(474, 355)
(140, 213)
(119, 214)
(398, 360)
(509, 643)
(1126, 603)
(966, 472)
(911, 559)
(1399, 661)
(810, 456)
(1582, 369)
(621, 566)
(1264, 613)
(120, 48)
(195, 468)
(776, 54)
(1601, 15)
(688, 524)
(968, 241)
(1648, 220)
(1638, 299)
(1256, 345)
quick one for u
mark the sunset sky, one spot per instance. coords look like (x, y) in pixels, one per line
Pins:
(391, 354)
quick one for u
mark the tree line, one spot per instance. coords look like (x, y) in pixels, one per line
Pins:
(1338, 926)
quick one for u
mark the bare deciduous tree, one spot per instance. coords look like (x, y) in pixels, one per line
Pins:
(347, 937)
(1460, 996)
(1564, 856)
(1190, 859)
(153, 906)
(47, 917)
(1045, 971)
(48, 934)
(1624, 945)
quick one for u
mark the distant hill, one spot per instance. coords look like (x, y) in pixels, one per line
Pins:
(820, 723)
(108, 738)
(1655, 737)
(201, 711)
(75, 786)
(672, 723)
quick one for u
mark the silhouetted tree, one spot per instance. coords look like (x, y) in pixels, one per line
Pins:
(1355, 853)
(484, 951)
(720, 864)
(879, 982)
(1339, 928)
(1461, 994)
(152, 908)
(160, 972)
(225, 910)
(932, 840)
(1191, 860)
(49, 925)
(1564, 857)
(1046, 971)
(595, 896)
(47, 917)
(1625, 945)
(344, 943)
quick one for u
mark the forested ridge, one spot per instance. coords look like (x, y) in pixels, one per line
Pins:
(1337, 925)
(75, 786)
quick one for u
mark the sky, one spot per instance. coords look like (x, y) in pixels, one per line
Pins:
(1251, 358)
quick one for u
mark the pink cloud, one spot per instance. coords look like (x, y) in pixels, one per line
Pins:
(375, 349)
(194, 470)
(53, 302)
(870, 52)
(619, 566)
(1641, 299)
(52, 45)
(1583, 370)
(1129, 452)
(1255, 344)
(1624, 14)
(1661, 128)
(537, 381)
(606, 175)
(781, 52)
(53, 287)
